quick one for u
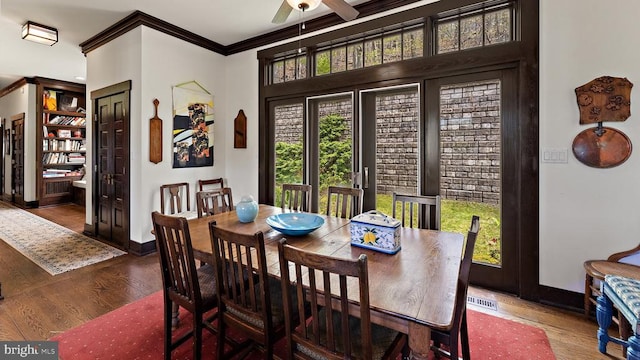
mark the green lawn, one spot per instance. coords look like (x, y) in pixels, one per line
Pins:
(456, 217)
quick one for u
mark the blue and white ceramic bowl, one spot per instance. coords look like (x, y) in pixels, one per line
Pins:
(295, 224)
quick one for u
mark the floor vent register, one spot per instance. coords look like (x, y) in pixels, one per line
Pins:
(485, 303)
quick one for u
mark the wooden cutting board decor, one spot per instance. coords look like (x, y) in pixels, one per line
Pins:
(155, 135)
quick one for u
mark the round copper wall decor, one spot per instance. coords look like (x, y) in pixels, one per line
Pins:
(610, 149)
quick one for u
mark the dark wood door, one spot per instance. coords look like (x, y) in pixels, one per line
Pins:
(17, 159)
(112, 170)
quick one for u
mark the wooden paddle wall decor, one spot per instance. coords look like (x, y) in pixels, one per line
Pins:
(155, 135)
(240, 131)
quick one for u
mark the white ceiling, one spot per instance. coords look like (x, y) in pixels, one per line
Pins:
(223, 21)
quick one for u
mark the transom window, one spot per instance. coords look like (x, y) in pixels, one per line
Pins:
(474, 28)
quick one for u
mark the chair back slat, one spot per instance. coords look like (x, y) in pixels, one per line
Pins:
(328, 307)
(348, 201)
(296, 197)
(177, 194)
(420, 211)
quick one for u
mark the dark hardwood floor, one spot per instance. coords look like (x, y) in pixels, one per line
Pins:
(38, 305)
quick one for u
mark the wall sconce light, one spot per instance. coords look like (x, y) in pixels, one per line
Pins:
(39, 33)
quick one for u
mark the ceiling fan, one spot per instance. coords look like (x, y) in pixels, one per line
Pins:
(341, 7)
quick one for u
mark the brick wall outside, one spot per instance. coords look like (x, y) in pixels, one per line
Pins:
(469, 135)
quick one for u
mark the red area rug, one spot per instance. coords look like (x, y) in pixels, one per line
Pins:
(134, 331)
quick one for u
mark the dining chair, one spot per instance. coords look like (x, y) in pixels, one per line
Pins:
(326, 333)
(211, 202)
(210, 184)
(178, 197)
(183, 284)
(420, 211)
(249, 308)
(296, 197)
(459, 329)
(348, 201)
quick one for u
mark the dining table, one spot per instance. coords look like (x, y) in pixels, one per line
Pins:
(412, 291)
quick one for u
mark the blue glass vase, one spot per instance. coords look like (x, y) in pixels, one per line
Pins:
(247, 209)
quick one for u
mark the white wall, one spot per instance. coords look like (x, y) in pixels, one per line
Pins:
(22, 100)
(585, 213)
(155, 62)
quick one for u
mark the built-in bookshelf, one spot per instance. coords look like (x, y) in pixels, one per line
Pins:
(61, 156)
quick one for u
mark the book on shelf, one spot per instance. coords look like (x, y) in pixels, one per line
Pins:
(49, 100)
(68, 103)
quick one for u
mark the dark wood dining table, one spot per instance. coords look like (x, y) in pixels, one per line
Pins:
(412, 291)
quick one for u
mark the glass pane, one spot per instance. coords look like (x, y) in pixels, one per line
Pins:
(335, 122)
(354, 56)
(471, 32)
(470, 160)
(497, 27)
(302, 67)
(397, 151)
(338, 59)
(448, 36)
(289, 123)
(323, 62)
(278, 72)
(413, 44)
(372, 52)
(392, 50)
(289, 70)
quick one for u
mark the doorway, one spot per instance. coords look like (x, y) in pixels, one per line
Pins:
(17, 159)
(111, 159)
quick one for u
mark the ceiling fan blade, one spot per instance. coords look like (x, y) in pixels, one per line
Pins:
(283, 13)
(346, 11)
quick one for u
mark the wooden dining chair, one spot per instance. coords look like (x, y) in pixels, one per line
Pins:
(211, 202)
(210, 184)
(178, 197)
(331, 334)
(184, 285)
(420, 211)
(459, 330)
(348, 201)
(296, 197)
(249, 308)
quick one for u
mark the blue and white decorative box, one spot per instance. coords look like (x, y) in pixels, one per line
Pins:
(377, 231)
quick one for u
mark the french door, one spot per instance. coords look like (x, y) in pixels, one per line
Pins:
(472, 160)
(453, 136)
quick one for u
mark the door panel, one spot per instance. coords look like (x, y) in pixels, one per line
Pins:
(112, 169)
(17, 159)
(473, 132)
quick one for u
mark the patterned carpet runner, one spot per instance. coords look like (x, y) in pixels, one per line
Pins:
(54, 248)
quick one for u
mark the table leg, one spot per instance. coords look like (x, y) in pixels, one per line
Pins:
(419, 341)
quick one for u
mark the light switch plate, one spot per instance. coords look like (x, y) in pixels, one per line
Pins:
(555, 155)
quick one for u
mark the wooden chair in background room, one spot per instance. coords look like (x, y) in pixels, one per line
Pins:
(322, 336)
(183, 284)
(296, 197)
(625, 264)
(417, 210)
(211, 184)
(348, 201)
(211, 202)
(459, 329)
(248, 309)
(179, 200)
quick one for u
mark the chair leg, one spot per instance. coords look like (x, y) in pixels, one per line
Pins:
(197, 336)
(604, 311)
(221, 332)
(633, 352)
(168, 311)
(464, 337)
